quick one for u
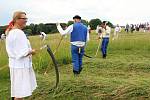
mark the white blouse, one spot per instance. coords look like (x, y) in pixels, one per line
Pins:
(18, 47)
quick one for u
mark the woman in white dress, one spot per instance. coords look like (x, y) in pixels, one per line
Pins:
(22, 76)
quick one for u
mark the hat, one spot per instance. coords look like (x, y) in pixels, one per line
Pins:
(76, 17)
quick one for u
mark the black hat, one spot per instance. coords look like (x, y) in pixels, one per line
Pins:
(104, 22)
(76, 17)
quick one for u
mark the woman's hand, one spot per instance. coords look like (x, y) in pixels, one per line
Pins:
(33, 51)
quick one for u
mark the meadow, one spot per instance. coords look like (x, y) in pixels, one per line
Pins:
(124, 75)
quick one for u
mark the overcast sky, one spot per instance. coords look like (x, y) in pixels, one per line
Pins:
(46, 11)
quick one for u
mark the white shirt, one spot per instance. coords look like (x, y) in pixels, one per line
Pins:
(3, 36)
(68, 31)
(43, 36)
(106, 33)
(98, 28)
(118, 29)
(18, 47)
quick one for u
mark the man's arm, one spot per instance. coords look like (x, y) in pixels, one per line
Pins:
(64, 32)
(88, 36)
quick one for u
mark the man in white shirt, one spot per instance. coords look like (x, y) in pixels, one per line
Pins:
(117, 30)
(89, 28)
(105, 36)
(43, 36)
(3, 36)
(99, 30)
(79, 35)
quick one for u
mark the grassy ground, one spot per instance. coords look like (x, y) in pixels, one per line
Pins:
(124, 75)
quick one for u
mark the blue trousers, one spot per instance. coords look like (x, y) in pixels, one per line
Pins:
(104, 45)
(77, 57)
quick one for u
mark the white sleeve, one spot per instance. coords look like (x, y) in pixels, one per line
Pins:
(44, 34)
(67, 31)
(97, 28)
(21, 48)
(119, 29)
(88, 36)
(108, 30)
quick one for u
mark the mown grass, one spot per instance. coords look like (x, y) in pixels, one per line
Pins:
(124, 75)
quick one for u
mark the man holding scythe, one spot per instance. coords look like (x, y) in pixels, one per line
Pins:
(79, 36)
(105, 38)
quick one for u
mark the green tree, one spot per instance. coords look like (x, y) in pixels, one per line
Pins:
(110, 24)
(2, 29)
(28, 32)
(85, 22)
(32, 27)
(94, 22)
(42, 27)
(70, 23)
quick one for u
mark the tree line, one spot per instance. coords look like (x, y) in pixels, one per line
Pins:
(50, 28)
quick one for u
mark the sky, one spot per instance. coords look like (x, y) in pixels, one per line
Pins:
(51, 11)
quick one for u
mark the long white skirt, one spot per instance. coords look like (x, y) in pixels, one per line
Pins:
(23, 82)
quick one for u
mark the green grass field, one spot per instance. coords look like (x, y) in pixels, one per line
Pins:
(124, 75)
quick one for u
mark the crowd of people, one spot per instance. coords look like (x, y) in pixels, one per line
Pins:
(142, 27)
